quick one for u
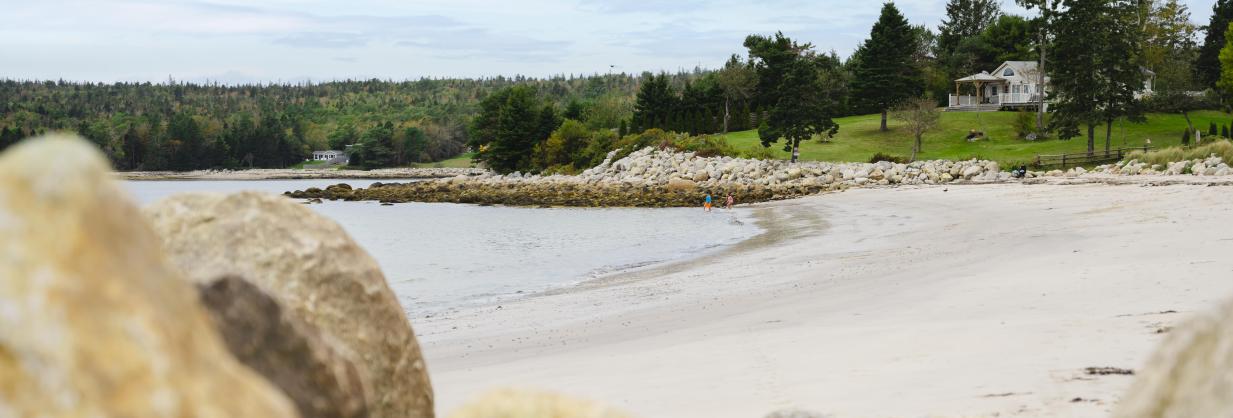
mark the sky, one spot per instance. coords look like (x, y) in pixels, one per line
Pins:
(235, 41)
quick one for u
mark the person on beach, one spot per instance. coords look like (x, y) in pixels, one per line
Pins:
(730, 201)
(707, 204)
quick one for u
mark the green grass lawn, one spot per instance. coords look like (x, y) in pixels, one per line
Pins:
(859, 138)
(309, 164)
(461, 161)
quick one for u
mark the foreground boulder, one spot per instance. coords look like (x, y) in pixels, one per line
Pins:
(509, 403)
(285, 350)
(94, 321)
(1190, 374)
(315, 271)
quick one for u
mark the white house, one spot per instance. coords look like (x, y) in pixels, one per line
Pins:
(1013, 85)
(329, 155)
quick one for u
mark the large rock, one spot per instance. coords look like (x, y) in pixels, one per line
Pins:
(315, 271)
(94, 321)
(1189, 375)
(285, 350)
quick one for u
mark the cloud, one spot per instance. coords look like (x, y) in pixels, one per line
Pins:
(323, 40)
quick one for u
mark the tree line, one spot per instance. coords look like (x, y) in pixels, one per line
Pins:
(184, 126)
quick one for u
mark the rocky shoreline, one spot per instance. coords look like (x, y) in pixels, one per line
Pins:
(294, 174)
(659, 178)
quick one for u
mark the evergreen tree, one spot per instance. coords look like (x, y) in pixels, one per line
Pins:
(623, 130)
(1207, 65)
(655, 100)
(1121, 60)
(965, 19)
(789, 73)
(507, 128)
(1211, 129)
(886, 73)
(1096, 71)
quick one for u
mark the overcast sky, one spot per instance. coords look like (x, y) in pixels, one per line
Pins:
(295, 40)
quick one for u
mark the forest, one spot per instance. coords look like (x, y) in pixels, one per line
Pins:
(177, 125)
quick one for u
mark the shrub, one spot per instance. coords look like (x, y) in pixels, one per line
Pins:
(1211, 129)
(1186, 137)
(1025, 124)
(758, 153)
(1224, 131)
(888, 158)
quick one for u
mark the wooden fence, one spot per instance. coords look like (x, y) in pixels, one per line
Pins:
(1082, 158)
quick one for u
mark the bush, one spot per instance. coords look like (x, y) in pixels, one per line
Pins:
(1211, 129)
(1025, 124)
(1224, 131)
(888, 158)
(1186, 137)
(758, 153)
(1222, 149)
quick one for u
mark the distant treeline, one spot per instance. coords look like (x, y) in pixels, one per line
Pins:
(185, 126)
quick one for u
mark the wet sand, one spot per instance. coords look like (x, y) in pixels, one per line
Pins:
(978, 300)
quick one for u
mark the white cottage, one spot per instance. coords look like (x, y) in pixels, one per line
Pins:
(1013, 85)
(328, 155)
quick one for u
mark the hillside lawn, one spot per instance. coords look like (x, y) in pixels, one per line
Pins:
(859, 138)
(461, 161)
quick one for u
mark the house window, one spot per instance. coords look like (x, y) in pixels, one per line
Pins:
(1008, 73)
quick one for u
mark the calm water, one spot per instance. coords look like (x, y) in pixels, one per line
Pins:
(438, 256)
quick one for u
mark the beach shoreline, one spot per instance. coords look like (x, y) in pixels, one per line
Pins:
(976, 300)
(299, 174)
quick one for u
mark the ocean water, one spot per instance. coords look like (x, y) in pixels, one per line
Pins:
(442, 256)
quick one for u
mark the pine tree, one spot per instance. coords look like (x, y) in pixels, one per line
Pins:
(802, 106)
(1207, 65)
(655, 100)
(965, 19)
(1121, 60)
(886, 72)
(1096, 71)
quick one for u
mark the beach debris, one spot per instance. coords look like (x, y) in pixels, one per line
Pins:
(94, 320)
(315, 271)
(288, 352)
(1104, 371)
(1188, 376)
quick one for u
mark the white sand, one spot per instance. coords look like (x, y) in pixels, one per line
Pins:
(977, 301)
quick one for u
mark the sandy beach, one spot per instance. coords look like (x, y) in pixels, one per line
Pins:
(972, 301)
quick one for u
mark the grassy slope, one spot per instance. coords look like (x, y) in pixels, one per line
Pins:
(859, 138)
(461, 161)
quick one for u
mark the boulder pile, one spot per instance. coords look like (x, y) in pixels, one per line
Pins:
(652, 177)
(1210, 166)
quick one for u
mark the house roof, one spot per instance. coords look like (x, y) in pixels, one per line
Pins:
(1020, 68)
(983, 76)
